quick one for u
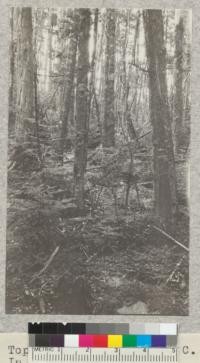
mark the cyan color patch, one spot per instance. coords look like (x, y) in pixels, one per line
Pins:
(144, 341)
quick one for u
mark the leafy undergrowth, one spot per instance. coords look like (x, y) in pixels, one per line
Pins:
(108, 258)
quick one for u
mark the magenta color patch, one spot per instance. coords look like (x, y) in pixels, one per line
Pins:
(86, 341)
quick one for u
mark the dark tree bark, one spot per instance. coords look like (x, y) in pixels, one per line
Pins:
(12, 88)
(37, 134)
(109, 91)
(25, 74)
(129, 119)
(164, 167)
(178, 101)
(93, 63)
(125, 81)
(82, 98)
(68, 89)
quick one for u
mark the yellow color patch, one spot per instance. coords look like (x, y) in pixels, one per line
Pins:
(114, 341)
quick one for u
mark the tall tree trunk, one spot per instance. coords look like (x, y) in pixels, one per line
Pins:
(164, 167)
(25, 74)
(125, 84)
(92, 89)
(50, 59)
(12, 88)
(178, 101)
(49, 67)
(109, 91)
(101, 71)
(72, 116)
(80, 160)
(68, 90)
(48, 52)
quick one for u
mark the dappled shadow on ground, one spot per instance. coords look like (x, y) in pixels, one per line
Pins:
(106, 259)
(131, 276)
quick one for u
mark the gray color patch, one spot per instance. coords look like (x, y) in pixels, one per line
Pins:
(171, 341)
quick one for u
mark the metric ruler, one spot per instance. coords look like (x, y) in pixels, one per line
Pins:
(187, 351)
(103, 355)
(14, 348)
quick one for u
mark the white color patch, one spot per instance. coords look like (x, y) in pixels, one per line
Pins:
(71, 341)
(168, 329)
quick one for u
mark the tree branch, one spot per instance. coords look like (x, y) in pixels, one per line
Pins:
(50, 259)
(171, 238)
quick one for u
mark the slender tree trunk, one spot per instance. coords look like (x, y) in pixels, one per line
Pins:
(80, 160)
(51, 49)
(178, 101)
(93, 62)
(25, 73)
(12, 91)
(109, 92)
(101, 69)
(71, 117)
(164, 167)
(68, 91)
(48, 58)
(129, 118)
(125, 81)
(37, 126)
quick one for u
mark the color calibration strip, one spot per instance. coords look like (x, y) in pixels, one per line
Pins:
(103, 328)
(105, 335)
(77, 328)
(102, 341)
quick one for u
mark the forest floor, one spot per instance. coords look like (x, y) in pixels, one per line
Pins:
(107, 259)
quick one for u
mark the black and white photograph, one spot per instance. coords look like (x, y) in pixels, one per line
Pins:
(98, 190)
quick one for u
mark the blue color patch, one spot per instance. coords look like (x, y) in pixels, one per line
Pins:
(159, 341)
(144, 341)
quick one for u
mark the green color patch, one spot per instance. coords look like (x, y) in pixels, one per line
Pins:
(129, 341)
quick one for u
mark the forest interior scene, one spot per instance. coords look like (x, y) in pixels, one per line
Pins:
(98, 161)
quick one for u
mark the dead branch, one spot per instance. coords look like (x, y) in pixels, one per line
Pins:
(171, 238)
(50, 259)
(147, 133)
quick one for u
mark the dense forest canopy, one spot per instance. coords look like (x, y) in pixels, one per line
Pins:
(99, 134)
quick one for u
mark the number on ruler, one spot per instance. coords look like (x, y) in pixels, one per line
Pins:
(126, 355)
